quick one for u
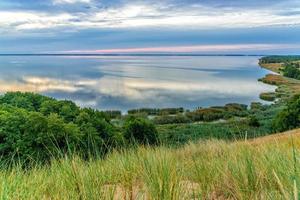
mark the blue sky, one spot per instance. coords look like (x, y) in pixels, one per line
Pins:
(150, 26)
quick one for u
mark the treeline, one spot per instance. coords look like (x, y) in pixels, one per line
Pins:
(291, 70)
(205, 114)
(156, 111)
(290, 65)
(113, 114)
(35, 127)
(278, 59)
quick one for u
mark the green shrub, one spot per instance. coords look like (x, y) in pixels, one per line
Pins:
(171, 119)
(37, 127)
(113, 114)
(288, 118)
(268, 96)
(33, 136)
(206, 114)
(141, 131)
(253, 121)
(256, 106)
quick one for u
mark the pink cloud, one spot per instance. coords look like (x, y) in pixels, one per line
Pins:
(190, 49)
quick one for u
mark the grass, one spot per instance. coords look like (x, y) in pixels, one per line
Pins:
(286, 87)
(178, 134)
(275, 67)
(265, 168)
(268, 96)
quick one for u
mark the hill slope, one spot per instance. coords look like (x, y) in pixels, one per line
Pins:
(279, 137)
(264, 168)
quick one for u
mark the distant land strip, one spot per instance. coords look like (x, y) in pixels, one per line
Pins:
(135, 54)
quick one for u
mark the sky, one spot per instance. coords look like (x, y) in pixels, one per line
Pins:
(150, 26)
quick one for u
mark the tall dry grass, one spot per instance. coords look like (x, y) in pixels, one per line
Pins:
(210, 169)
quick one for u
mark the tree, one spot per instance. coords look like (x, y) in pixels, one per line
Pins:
(288, 118)
(253, 121)
(141, 131)
(291, 71)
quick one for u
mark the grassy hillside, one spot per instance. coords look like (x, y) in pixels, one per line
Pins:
(265, 168)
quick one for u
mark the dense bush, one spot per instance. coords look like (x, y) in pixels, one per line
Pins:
(253, 121)
(206, 114)
(171, 119)
(288, 118)
(268, 96)
(141, 131)
(157, 111)
(36, 127)
(113, 114)
(31, 135)
(291, 71)
(255, 106)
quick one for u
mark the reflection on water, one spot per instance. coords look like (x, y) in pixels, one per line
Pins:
(130, 82)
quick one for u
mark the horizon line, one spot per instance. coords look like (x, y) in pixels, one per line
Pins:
(137, 54)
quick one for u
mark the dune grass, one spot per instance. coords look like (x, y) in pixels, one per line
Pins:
(211, 169)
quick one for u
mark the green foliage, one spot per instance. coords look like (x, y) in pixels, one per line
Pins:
(291, 71)
(253, 121)
(35, 127)
(279, 59)
(256, 106)
(172, 119)
(290, 64)
(140, 130)
(113, 114)
(268, 96)
(27, 100)
(157, 111)
(31, 135)
(288, 118)
(206, 114)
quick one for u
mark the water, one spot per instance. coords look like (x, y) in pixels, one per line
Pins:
(126, 82)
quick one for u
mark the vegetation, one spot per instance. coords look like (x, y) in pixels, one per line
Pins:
(35, 127)
(278, 59)
(156, 111)
(140, 131)
(205, 114)
(289, 118)
(292, 71)
(54, 149)
(113, 114)
(268, 96)
(253, 121)
(266, 168)
(287, 80)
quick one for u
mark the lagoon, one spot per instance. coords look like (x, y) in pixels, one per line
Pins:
(126, 82)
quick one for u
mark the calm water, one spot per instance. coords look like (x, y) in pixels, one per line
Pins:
(131, 82)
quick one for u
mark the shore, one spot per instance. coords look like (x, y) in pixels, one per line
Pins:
(286, 87)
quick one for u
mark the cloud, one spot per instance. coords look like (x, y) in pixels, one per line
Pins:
(194, 48)
(150, 15)
(70, 1)
(33, 20)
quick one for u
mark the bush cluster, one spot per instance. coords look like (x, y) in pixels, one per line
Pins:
(289, 117)
(292, 71)
(156, 111)
(205, 114)
(36, 127)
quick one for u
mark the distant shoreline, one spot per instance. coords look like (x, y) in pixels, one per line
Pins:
(138, 54)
